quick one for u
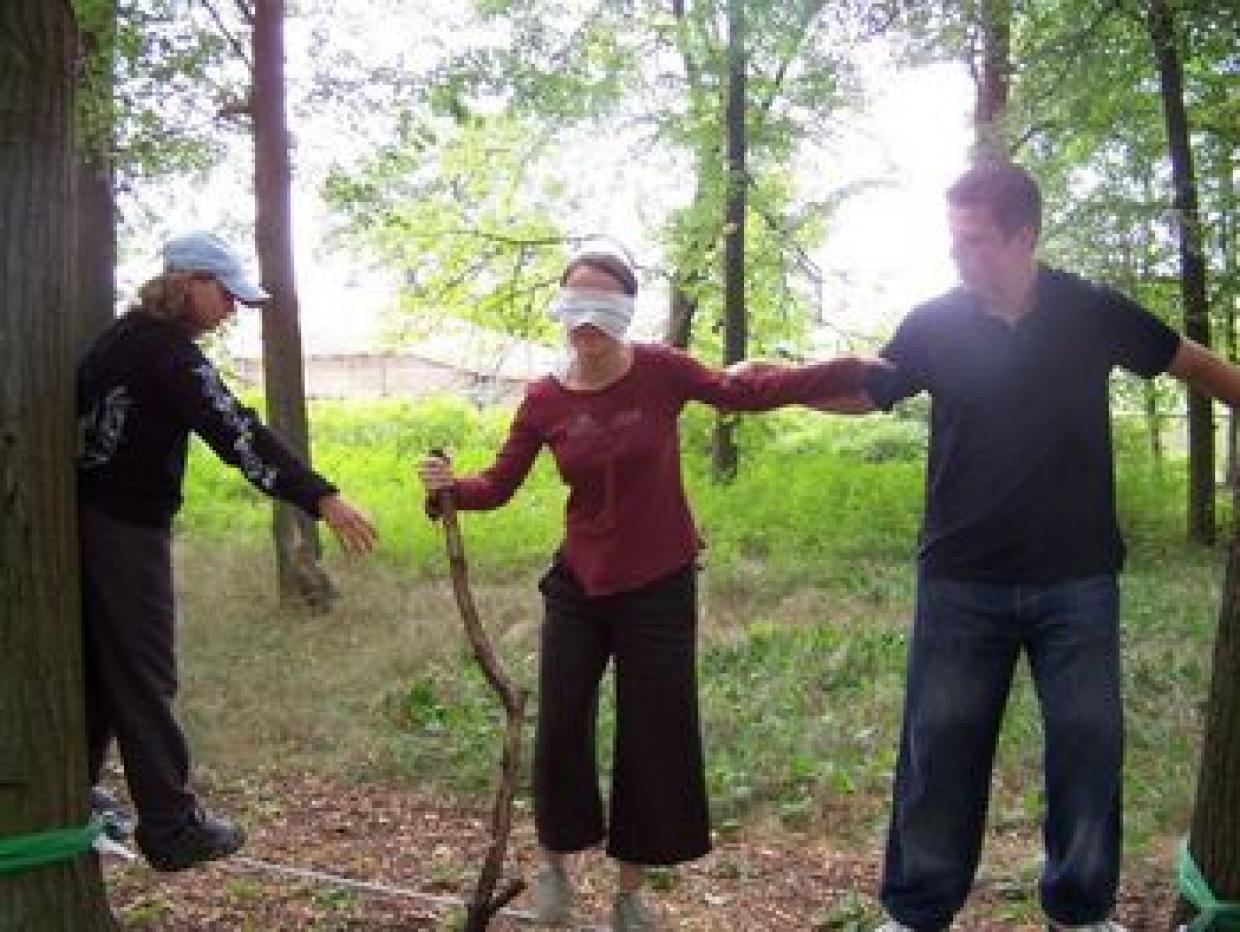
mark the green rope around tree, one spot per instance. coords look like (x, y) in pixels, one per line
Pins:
(21, 853)
(1214, 915)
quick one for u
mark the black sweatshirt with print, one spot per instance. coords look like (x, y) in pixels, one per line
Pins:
(142, 387)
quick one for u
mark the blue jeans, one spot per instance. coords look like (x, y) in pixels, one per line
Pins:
(967, 638)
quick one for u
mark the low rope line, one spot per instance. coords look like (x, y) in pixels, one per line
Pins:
(21, 853)
(303, 873)
(1214, 915)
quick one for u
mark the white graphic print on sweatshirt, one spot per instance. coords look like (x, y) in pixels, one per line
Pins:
(260, 473)
(102, 429)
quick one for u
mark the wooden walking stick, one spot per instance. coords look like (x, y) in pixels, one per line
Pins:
(485, 904)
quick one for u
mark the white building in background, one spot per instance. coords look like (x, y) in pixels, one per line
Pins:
(345, 356)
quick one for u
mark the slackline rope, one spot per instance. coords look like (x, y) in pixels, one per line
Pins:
(20, 853)
(301, 873)
(1214, 915)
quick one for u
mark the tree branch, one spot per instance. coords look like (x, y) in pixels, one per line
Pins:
(485, 904)
(232, 40)
(809, 13)
(1067, 52)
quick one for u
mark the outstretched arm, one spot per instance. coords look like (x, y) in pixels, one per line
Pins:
(493, 486)
(854, 403)
(352, 528)
(198, 396)
(1201, 369)
(848, 401)
(759, 386)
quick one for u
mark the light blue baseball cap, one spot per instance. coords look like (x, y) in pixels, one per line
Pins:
(205, 252)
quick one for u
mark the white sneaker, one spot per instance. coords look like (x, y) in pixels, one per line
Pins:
(892, 926)
(1106, 925)
(629, 913)
(553, 897)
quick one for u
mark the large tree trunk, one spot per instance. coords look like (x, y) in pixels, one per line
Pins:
(96, 189)
(42, 739)
(1214, 842)
(992, 79)
(735, 330)
(296, 536)
(1161, 26)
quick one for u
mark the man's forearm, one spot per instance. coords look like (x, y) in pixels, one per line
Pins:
(854, 403)
(1201, 369)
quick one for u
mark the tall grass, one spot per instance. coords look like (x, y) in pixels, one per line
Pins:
(805, 601)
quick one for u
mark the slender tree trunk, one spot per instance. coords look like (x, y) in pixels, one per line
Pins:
(1153, 424)
(682, 305)
(735, 335)
(296, 536)
(1161, 25)
(682, 308)
(1214, 843)
(1227, 250)
(42, 739)
(682, 300)
(992, 78)
(1145, 269)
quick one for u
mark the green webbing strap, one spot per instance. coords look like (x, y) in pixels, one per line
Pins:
(1215, 915)
(20, 853)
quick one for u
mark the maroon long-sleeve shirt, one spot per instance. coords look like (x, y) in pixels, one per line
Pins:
(618, 450)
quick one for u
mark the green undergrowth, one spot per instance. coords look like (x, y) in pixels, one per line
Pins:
(806, 597)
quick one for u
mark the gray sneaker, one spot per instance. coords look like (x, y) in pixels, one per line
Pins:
(629, 913)
(118, 821)
(1106, 925)
(553, 897)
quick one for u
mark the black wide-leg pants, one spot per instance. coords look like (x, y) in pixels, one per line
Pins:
(659, 813)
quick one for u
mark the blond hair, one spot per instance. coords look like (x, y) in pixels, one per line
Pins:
(166, 296)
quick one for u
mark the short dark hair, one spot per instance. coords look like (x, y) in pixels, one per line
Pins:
(606, 262)
(1008, 191)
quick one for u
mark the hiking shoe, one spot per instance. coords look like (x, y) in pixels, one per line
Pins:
(204, 837)
(553, 897)
(629, 913)
(1106, 925)
(118, 821)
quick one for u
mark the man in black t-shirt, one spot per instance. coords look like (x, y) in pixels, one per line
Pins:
(1019, 551)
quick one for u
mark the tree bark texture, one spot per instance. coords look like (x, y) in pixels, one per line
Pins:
(992, 77)
(96, 185)
(42, 738)
(1160, 23)
(1231, 273)
(735, 329)
(681, 310)
(1215, 841)
(300, 577)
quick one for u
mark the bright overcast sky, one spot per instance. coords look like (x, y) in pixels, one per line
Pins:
(886, 248)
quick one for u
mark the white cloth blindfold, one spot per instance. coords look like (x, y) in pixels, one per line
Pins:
(610, 311)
